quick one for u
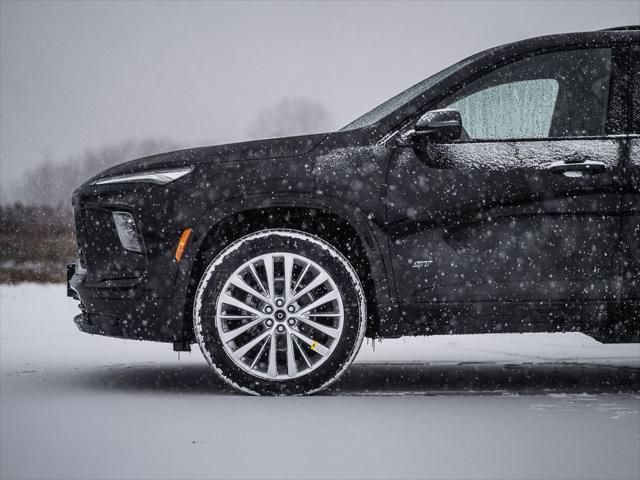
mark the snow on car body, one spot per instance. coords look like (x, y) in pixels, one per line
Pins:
(499, 195)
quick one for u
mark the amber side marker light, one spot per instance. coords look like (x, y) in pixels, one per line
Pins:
(184, 238)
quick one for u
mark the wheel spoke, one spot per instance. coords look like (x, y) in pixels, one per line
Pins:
(258, 281)
(242, 351)
(313, 344)
(301, 350)
(326, 298)
(241, 284)
(228, 336)
(234, 302)
(272, 369)
(292, 370)
(268, 266)
(255, 360)
(316, 282)
(288, 267)
(300, 277)
(330, 331)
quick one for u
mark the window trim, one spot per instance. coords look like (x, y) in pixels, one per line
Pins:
(618, 63)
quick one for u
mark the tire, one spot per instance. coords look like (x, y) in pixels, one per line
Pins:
(266, 339)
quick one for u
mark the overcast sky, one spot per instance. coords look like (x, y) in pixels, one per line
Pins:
(78, 75)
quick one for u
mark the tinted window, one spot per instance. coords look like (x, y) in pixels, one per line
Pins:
(558, 94)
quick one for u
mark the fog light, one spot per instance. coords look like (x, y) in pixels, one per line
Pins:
(127, 231)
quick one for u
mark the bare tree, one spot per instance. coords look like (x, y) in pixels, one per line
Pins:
(291, 116)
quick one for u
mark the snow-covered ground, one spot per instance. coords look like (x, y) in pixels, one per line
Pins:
(492, 406)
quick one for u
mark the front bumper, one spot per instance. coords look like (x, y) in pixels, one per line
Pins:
(132, 294)
(127, 312)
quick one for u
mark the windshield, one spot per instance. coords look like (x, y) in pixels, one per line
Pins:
(418, 89)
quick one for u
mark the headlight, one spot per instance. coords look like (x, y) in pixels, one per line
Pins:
(159, 177)
(127, 231)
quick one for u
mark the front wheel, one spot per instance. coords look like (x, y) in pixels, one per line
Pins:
(279, 312)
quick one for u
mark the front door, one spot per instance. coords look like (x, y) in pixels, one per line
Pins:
(517, 225)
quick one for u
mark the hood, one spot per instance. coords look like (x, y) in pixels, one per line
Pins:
(253, 150)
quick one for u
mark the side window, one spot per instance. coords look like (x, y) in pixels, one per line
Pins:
(522, 109)
(558, 94)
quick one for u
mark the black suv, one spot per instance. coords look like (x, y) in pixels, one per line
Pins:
(499, 195)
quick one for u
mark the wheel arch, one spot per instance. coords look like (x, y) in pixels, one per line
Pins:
(346, 227)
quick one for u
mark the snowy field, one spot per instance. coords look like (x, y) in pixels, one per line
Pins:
(492, 406)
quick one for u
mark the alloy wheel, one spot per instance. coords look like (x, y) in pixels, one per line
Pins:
(280, 316)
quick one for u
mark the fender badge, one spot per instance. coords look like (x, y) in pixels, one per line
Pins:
(422, 263)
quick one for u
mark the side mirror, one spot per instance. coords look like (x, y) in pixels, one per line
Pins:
(437, 126)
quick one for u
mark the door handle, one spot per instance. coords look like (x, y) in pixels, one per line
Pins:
(577, 169)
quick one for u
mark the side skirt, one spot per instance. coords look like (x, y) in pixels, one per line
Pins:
(607, 322)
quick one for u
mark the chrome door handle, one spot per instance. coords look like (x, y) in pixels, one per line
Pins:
(577, 169)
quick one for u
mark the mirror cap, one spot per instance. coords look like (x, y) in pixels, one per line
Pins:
(440, 125)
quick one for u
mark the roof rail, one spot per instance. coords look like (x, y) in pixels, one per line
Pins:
(624, 27)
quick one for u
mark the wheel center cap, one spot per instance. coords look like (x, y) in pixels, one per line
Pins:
(280, 315)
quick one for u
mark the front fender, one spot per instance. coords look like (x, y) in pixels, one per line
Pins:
(366, 226)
